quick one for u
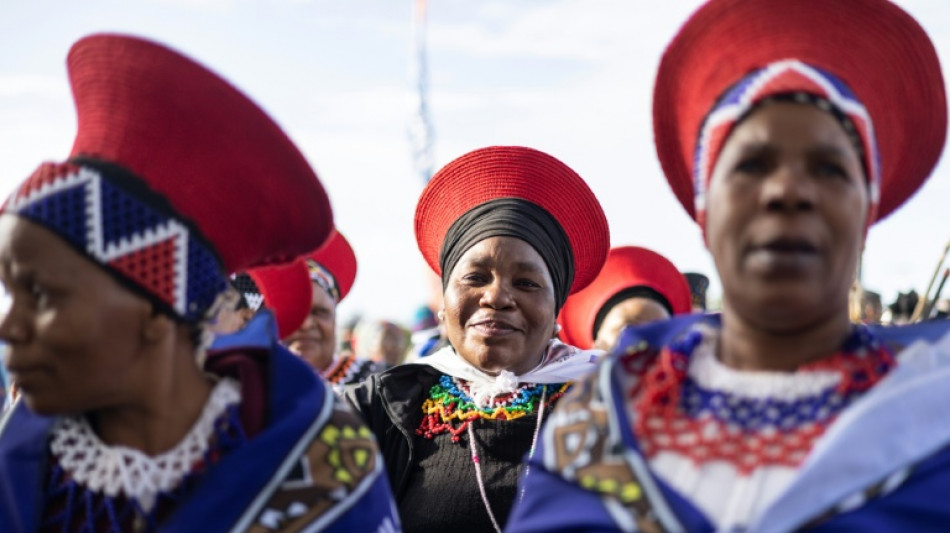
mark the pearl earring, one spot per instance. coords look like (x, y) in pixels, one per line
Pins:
(441, 314)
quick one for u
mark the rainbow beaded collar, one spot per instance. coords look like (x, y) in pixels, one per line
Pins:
(450, 408)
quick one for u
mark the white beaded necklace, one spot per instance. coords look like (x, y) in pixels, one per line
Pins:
(478, 468)
(115, 470)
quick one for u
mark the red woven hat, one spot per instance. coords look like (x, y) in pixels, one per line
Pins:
(288, 288)
(336, 256)
(286, 291)
(175, 177)
(514, 172)
(873, 46)
(626, 267)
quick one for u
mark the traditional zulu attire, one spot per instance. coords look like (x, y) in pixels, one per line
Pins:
(287, 290)
(629, 272)
(453, 436)
(664, 437)
(160, 138)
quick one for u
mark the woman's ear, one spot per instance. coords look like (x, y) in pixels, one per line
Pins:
(156, 326)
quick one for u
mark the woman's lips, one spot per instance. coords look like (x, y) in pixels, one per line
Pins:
(493, 328)
(784, 257)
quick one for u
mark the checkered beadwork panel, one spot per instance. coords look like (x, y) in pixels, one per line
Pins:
(128, 236)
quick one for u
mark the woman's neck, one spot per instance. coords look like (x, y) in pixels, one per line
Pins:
(745, 345)
(171, 400)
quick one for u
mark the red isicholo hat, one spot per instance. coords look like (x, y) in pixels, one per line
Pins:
(286, 292)
(175, 177)
(336, 258)
(880, 52)
(514, 172)
(288, 288)
(626, 267)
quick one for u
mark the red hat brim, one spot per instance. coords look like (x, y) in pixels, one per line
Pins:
(626, 267)
(514, 172)
(209, 150)
(337, 256)
(286, 291)
(877, 49)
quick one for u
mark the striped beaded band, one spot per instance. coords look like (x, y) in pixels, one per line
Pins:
(323, 278)
(109, 215)
(809, 85)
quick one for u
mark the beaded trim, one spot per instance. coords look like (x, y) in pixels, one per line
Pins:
(676, 413)
(152, 247)
(122, 471)
(450, 407)
(344, 369)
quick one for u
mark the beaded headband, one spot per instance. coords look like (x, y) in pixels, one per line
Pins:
(114, 219)
(811, 85)
(244, 284)
(323, 278)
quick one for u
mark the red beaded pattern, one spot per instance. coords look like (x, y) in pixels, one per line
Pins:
(674, 414)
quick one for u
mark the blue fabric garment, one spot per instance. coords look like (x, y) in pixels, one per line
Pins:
(252, 484)
(883, 465)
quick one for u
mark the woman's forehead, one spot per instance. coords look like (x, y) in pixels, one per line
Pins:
(510, 251)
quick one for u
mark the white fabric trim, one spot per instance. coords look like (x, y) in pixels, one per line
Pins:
(115, 470)
(711, 374)
(561, 363)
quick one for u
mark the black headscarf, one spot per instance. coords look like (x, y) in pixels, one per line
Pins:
(521, 219)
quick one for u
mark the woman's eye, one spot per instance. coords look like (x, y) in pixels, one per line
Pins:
(751, 165)
(831, 169)
(474, 278)
(39, 295)
(527, 283)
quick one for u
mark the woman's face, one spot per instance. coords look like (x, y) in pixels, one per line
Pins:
(630, 312)
(75, 335)
(786, 216)
(499, 306)
(315, 341)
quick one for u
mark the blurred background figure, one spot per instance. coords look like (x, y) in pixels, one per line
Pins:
(635, 286)
(871, 307)
(900, 311)
(381, 341)
(348, 332)
(425, 333)
(698, 285)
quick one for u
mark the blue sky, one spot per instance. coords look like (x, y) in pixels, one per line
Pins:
(570, 77)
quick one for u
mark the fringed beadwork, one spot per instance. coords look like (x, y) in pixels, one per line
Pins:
(71, 506)
(450, 408)
(674, 413)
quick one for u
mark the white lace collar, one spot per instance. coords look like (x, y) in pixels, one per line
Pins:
(115, 470)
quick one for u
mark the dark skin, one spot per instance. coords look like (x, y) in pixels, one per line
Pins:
(315, 341)
(499, 306)
(81, 343)
(786, 221)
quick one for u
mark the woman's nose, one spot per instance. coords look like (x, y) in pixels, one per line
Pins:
(789, 189)
(13, 329)
(496, 295)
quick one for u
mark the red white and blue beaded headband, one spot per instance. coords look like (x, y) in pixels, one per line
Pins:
(786, 77)
(323, 278)
(104, 212)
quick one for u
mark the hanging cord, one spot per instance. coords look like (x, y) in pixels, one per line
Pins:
(478, 468)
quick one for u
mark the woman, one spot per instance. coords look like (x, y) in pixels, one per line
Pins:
(512, 231)
(116, 262)
(326, 275)
(636, 286)
(807, 121)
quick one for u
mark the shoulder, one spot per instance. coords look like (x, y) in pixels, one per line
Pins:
(335, 472)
